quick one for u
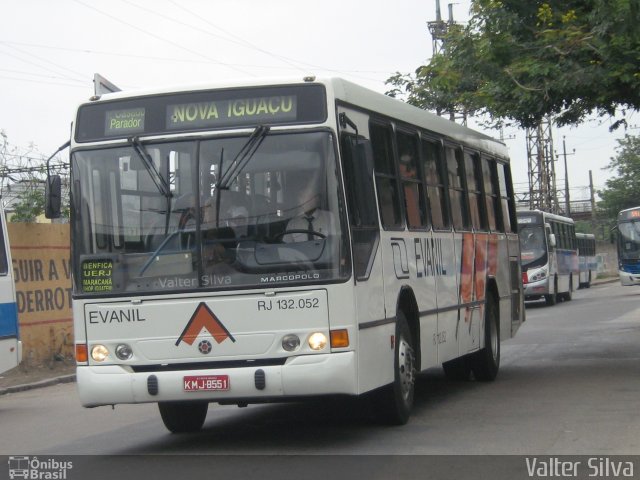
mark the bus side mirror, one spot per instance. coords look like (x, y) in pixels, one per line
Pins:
(552, 240)
(53, 196)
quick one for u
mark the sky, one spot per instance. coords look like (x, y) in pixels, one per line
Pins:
(49, 52)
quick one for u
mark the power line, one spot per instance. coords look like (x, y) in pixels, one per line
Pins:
(158, 37)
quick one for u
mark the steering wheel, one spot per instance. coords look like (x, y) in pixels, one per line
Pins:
(298, 230)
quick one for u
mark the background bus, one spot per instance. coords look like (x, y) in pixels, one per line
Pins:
(628, 244)
(587, 263)
(549, 255)
(269, 242)
(10, 345)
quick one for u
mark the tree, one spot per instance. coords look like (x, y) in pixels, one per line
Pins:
(29, 207)
(520, 61)
(624, 190)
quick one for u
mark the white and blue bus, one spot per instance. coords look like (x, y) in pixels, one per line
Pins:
(628, 244)
(259, 242)
(587, 263)
(10, 345)
(549, 253)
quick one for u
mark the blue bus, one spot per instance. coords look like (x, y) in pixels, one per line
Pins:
(10, 345)
(629, 246)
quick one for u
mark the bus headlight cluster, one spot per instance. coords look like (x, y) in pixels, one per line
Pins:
(317, 341)
(99, 353)
(539, 275)
(290, 342)
(124, 352)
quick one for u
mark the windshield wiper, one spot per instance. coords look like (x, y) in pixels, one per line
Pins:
(161, 183)
(242, 158)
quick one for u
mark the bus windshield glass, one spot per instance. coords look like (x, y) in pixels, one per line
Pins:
(156, 216)
(629, 240)
(533, 246)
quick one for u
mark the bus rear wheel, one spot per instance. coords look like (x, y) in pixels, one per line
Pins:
(486, 362)
(395, 401)
(183, 417)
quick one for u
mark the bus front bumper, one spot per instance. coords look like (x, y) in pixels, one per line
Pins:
(535, 290)
(304, 376)
(628, 279)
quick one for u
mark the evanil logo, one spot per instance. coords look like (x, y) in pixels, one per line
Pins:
(204, 318)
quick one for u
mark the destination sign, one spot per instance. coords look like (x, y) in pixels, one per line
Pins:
(232, 112)
(630, 214)
(128, 121)
(201, 110)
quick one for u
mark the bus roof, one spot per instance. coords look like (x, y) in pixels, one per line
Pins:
(546, 215)
(629, 214)
(350, 93)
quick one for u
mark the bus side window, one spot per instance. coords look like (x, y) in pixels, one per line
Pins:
(474, 191)
(436, 190)
(506, 199)
(357, 160)
(412, 183)
(455, 172)
(490, 191)
(386, 180)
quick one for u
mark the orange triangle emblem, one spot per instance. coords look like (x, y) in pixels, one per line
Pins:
(203, 317)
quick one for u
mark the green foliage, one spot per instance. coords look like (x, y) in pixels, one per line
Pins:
(623, 191)
(29, 206)
(519, 61)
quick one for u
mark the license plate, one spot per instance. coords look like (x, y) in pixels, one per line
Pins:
(206, 383)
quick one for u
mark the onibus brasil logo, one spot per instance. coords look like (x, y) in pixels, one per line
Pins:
(38, 469)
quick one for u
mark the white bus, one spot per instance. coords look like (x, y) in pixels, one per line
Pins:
(264, 242)
(10, 345)
(549, 253)
(587, 264)
(629, 246)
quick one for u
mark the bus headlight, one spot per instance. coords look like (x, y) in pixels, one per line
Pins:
(538, 276)
(124, 352)
(99, 353)
(317, 341)
(290, 342)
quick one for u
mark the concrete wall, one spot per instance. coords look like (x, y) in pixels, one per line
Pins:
(40, 257)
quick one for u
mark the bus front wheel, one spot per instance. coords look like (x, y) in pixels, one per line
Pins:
(183, 417)
(396, 400)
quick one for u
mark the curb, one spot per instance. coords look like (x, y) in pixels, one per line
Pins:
(41, 384)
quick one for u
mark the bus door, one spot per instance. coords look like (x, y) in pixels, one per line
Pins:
(10, 352)
(357, 167)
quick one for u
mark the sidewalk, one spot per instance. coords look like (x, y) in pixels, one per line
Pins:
(26, 378)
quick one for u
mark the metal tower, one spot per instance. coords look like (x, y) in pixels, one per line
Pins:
(541, 168)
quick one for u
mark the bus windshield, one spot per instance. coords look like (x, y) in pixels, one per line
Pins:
(533, 245)
(629, 240)
(157, 217)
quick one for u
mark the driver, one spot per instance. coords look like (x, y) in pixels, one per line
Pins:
(311, 219)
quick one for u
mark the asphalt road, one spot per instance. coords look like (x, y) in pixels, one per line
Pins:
(569, 384)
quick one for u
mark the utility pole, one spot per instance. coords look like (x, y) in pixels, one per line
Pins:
(438, 30)
(593, 202)
(567, 201)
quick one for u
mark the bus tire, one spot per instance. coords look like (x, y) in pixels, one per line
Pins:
(486, 362)
(183, 417)
(395, 401)
(552, 298)
(569, 295)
